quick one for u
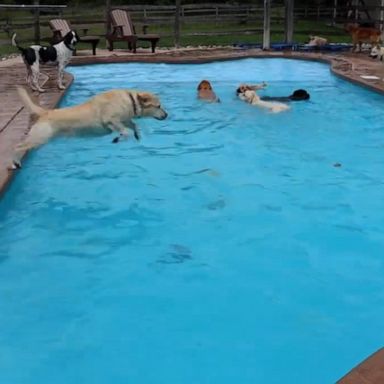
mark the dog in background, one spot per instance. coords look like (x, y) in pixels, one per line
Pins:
(377, 52)
(58, 54)
(251, 97)
(205, 92)
(363, 34)
(317, 41)
(107, 112)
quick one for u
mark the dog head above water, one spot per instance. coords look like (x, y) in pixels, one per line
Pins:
(151, 106)
(299, 94)
(247, 87)
(205, 91)
(204, 85)
(71, 39)
(249, 96)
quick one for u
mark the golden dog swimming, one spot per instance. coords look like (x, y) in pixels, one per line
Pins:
(251, 97)
(205, 91)
(111, 111)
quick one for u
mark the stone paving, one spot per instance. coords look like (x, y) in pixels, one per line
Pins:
(15, 121)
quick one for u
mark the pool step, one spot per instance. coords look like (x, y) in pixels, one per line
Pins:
(370, 371)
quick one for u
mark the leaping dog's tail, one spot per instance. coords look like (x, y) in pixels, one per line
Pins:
(14, 43)
(29, 104)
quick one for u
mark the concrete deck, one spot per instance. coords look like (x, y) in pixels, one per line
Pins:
(15, 121)
(370, 371)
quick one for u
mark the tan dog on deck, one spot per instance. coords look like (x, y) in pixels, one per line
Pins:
(107, 112)
(362, 35)
(317, 41)
(205, 92)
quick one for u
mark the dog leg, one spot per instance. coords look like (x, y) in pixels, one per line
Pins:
(39, 134)
(123, 135)
(35, 77)
(133, 127)
(60, 77)
(119, 127)
(28, 78)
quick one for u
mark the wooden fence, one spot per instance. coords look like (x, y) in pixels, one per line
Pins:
(249, 18)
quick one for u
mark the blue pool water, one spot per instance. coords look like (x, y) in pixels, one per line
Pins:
(225, 247)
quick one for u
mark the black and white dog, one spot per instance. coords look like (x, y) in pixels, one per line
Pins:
(58, 54)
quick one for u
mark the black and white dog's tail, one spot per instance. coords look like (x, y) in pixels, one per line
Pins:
(33, 108)
(14, 43)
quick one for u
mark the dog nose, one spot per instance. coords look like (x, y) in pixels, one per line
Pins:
(238, 90)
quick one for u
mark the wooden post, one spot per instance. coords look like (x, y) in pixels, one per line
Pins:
(334, 13)
(267, 25)
(36, 16)
(289, 8)
(356, 5)
(177, 23)
(107, 19)
(382, 16)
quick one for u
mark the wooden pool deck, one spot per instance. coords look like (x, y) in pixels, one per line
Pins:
(15, 121)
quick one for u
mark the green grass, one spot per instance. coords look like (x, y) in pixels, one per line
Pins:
(301, 31)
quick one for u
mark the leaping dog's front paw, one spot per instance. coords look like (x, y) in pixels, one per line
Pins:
(62, 87)
(15, 165)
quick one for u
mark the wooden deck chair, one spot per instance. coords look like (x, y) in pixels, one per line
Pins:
(60, 27)
(124, 30)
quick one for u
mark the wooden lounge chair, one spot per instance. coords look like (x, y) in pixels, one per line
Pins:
(124, 30)
(60, 27)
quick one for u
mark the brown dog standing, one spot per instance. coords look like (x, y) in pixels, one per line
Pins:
(363, 35)
(205, 92)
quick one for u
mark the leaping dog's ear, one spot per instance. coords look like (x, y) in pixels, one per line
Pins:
(145, 98)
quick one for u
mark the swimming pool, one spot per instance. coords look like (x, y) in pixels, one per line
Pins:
(228, 246)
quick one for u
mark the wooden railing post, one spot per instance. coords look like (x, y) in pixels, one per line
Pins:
(289, 15)
(107, 18)
(334, 15)
(381, 15)
(177, 23)
(267, 25)
(36, 21)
